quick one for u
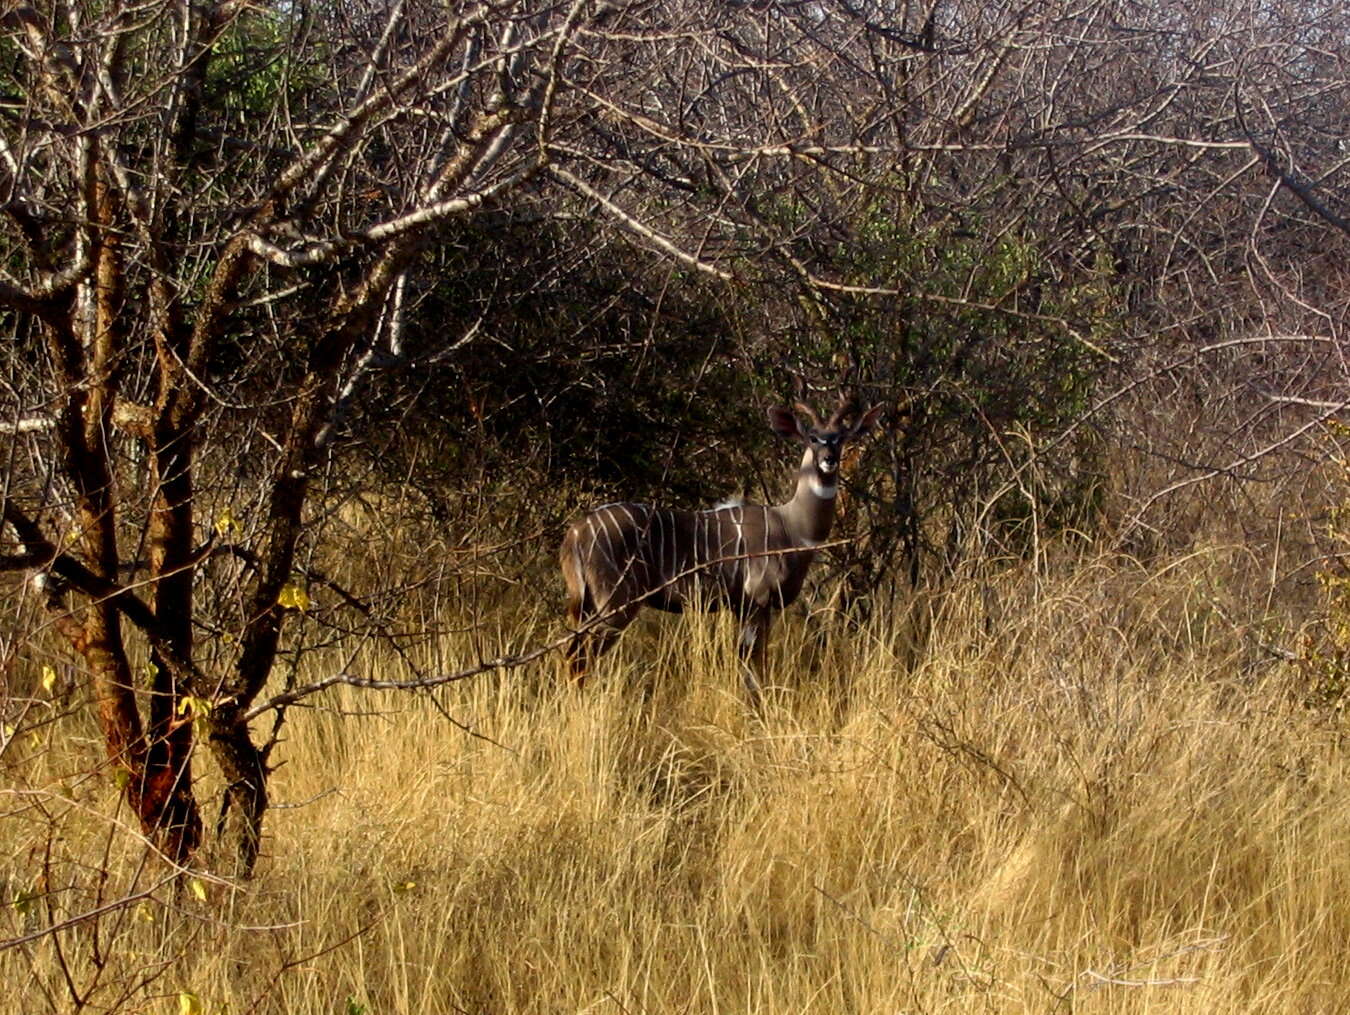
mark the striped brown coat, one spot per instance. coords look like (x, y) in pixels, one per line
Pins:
(749, 558)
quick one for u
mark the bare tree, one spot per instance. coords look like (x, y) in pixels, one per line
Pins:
(177, 177)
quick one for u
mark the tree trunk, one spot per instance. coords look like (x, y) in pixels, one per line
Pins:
(245, 800)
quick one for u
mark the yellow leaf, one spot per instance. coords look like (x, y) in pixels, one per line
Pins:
(294, 597)
(189, 1003)
(7, 731)
(122, 777)
(228, 525)
(48, 679)
(197, 888)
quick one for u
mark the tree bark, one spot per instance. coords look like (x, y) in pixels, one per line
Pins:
(245, 801)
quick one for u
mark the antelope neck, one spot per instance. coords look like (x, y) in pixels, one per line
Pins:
(809, 513)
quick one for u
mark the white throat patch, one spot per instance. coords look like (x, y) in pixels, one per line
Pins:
(822, 491)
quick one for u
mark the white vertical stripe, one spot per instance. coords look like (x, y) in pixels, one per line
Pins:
(609, 542)
(672, 535)
(637, 533)
(764, 559)
(657, 546)
(739, 519)
(690, 552)
(661, 546)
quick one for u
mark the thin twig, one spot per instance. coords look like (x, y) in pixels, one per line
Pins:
(507, 662)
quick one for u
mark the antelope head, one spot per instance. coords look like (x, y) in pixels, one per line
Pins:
(825, 441)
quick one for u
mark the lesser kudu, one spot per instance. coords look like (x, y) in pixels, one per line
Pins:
(749, 558)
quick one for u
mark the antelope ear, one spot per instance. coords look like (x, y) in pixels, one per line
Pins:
(868, 420)
(785, 423)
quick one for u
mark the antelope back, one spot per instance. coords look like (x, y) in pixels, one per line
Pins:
(627, 553)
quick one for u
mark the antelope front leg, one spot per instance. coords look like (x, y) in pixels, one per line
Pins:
(578, 656)
(592, 640)
(753, 641)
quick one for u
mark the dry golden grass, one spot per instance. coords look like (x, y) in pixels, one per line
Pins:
(1083, 792)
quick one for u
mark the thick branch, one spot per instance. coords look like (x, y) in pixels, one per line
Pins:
(392, 230)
